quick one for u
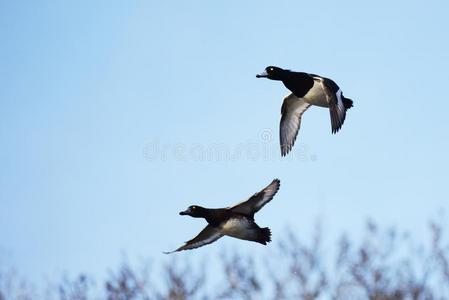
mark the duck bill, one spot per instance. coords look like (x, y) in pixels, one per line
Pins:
(262, 75)
(185, 213)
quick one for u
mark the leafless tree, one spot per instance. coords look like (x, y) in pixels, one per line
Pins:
(383, 265)
(76, 289)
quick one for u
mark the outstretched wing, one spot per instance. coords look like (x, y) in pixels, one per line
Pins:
(292, 110)
(208, 235)
(337, 108)
(258, 200)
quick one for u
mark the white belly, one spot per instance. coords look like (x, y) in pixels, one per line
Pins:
(239, 228)
(316, 96)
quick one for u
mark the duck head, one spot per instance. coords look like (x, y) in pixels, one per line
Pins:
(272, 72)
(194, 211)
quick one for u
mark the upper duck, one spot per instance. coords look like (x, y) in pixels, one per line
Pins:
(306, 90)
(236, 221)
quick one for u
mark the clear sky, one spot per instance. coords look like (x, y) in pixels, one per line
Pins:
(114, 116)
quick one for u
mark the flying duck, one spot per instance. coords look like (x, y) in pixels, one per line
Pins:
(306, 90)
(236, 221)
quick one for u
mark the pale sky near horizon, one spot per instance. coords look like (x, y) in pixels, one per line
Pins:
(116, 115)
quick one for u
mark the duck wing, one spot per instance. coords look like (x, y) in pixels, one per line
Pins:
(258, 200)
(334, 96)
(291, 111)
(208, 235)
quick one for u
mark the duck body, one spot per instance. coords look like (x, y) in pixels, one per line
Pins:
(306, 90)
(245, 228)
(236, 221)
(313, 89)
(234, 224)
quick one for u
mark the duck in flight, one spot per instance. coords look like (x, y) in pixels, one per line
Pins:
(306, 90)
(236, 221)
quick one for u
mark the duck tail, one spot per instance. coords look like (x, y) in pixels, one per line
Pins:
(347, 103)
(265, 236)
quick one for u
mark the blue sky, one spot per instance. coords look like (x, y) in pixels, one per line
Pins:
(110, 108)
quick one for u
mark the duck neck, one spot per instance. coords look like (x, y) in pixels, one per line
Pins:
(298, 83)
(214, 216)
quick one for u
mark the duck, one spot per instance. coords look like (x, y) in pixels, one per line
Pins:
(236, 221)
(306, 90)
